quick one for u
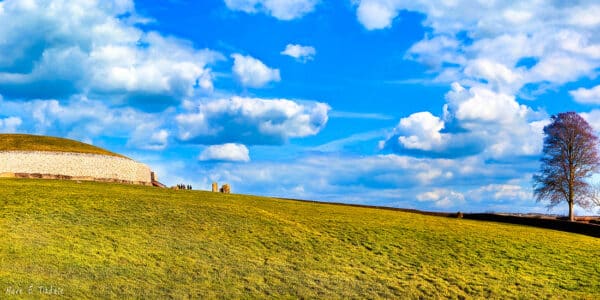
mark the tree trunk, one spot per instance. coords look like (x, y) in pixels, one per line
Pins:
(571, 215)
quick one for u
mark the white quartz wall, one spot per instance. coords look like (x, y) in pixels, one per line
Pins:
(73, 164)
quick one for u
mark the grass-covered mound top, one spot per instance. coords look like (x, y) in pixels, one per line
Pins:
(26, 142)
(96, 240)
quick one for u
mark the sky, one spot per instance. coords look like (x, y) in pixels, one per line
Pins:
(433, 105)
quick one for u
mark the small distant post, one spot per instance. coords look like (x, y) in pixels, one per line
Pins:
(215, 187)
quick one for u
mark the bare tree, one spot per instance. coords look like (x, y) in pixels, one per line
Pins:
(570, 158)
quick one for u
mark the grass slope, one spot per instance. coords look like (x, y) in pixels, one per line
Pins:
(107, 240)
(26, 142)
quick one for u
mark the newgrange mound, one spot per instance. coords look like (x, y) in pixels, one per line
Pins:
(33, 156)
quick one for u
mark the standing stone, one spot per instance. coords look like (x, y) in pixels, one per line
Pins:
(226, 189)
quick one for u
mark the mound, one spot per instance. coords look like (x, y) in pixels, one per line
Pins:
(32, 156)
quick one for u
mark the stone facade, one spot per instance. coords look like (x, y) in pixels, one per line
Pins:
(76, 166)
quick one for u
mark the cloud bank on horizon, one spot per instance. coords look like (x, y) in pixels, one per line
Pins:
(416, 104)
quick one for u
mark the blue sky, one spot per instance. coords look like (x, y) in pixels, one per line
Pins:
(435, 105)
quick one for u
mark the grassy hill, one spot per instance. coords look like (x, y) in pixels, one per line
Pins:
(89, 239)
(26, 142)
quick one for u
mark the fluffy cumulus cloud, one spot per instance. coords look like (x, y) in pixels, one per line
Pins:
(491, 54)
(98, 76)
(587, 96)
(481, 105)
(376, 14)
(299, 52)
(226, 152)
(421, 131)
(88, 120)
(475, 121)
(280, 9)
(252, 72)
(95, 51)
(489, 41)
(251, 121)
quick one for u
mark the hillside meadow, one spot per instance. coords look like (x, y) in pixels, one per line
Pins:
(98, 240)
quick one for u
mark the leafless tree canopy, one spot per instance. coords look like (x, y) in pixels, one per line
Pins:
(570, 157)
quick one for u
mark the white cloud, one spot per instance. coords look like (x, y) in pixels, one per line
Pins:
(376, 14)
(149, 136)
(95, 51)
(490, 52)
(420, 131)
(252, 72)
(299, 52)
(330, 173)
(585, 16)
(486, 40)
(480, 104)
(506, 127)
(165, 66)
(280, 9)
(593, 118)
(475, 121)
(84, 119)
(225, 152)
(390, 180)
(578, 43)
(434, 51)
(500, 192)
(160, 138)
(561, 68)
(442, 198)
(517, 16)
(251, 121)
(498, 76)
(10, 124)
(587, 96)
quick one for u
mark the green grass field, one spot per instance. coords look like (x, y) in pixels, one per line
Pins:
(26, 142)
(95, 240)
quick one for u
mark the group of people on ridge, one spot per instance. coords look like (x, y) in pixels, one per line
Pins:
(184, 186)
